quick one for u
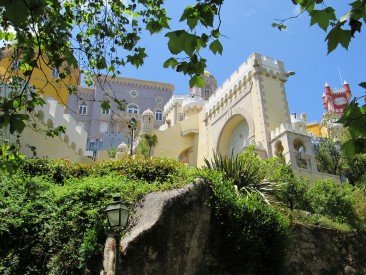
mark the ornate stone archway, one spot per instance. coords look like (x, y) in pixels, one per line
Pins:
(234, 136)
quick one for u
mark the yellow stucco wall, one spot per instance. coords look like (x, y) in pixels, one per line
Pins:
(172, 143)
(276, 109)
(41, 78)
(315, 129)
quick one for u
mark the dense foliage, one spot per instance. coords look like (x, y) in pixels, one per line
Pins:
(251, 234)
(51, 218)
(160, 169)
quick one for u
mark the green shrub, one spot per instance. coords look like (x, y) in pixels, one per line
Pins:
(328, 198)
(253, 235)
(159, 169)
(48, 228)
(151, 170)
(291, 190)
(355, 169)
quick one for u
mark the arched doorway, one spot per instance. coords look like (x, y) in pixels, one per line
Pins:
(233, 136)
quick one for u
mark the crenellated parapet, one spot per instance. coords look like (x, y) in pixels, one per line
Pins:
(241, 81)
(172, 102)
(288, 127)
(137, 83)
(52, 114)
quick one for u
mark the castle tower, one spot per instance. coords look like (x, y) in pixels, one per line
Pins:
(208, 88)
(335, 100)
(147, 122)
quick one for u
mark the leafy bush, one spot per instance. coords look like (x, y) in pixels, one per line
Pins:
(48, 228)
(328, 198)
(159, 169)
(253, 235)
(291, 190)
(355, 169)
(57, 170)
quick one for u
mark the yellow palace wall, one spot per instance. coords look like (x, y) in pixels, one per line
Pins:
(41, 78)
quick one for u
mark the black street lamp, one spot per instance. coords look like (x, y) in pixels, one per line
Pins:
(132, 125)
(117, 213)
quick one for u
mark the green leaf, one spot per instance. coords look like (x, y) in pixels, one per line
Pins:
(216, 47)
(322, 17)
(175, 43)
(196, 80)
(16, 123)
(338, 36)
(363, 85)
(171, 62)
(189, 43)
(354, 146)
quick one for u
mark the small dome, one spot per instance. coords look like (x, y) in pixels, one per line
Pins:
(206, 73)
(148, 112)
(122, 146)
(192, 101)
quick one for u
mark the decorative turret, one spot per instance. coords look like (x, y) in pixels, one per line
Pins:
(192, 102)
(147, 122)
(328, 91)
(347, 91)
(208, 88)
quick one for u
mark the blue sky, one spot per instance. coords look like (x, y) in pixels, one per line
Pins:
(247, 26)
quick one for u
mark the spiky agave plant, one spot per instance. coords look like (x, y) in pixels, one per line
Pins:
(245, 171)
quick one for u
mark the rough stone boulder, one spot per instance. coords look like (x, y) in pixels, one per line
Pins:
(169, 234)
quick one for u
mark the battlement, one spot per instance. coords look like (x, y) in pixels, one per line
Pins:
(311, 122)
(172, 101)
(241, 81)
(53, 115)
(288, 127)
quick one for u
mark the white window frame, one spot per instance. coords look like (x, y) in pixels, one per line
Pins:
(55, 73)
(106, 111)
(83, 109)
(159, 115)
(133, 109)
(207, 92)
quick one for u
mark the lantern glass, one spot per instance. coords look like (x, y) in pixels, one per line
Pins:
(117, 214)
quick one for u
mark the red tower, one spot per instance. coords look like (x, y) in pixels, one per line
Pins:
(335, 100)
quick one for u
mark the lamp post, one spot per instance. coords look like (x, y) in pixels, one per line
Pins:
(117, 213)
(132, 125)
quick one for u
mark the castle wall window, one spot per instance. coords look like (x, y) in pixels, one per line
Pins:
(104, 127)
(83, 109)
(207, 92)
(133, 109)
(158, 115)
(106, 111)
(15, 64)
(55, 73)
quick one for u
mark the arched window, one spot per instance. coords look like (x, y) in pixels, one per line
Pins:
(55, 73)
(158, 115)
(207, 92)
(81, 125)
(133, 109)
